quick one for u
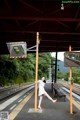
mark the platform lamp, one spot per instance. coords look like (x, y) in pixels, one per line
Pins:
(62, 6)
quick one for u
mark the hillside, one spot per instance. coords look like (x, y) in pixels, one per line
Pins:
(61, 66)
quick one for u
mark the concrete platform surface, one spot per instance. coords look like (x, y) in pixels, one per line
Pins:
(51, 111)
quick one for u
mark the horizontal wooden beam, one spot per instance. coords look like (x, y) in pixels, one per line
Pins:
(42, 32)
(39, 18)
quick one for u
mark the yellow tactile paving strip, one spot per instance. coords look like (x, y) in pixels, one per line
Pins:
(15, 112)
(74, 102)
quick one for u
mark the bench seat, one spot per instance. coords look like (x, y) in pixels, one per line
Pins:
(58, 92)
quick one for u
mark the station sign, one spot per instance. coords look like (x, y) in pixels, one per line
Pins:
(17, 49)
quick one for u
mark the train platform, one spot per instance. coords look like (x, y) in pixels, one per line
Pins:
(53, 111)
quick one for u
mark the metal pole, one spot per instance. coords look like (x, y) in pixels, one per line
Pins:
(52, 79)
(36, 86)
(71, 86)
(52, 75)
(56, 67)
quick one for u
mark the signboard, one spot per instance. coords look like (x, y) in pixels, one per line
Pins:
(72, 59)
(17, 49)
(4, 115)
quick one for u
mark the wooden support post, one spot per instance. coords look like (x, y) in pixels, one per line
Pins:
(36, 79)
(71, 86)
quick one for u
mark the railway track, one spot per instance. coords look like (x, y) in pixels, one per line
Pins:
(76, 87)
(5, 93)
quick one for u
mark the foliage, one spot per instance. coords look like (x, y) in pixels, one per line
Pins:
(23, 70)
(44, 63)
(75, 75)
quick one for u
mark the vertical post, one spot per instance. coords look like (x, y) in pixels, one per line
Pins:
(37, 44)
(49, 69)
(52, 74)
(52, 78)
(70, 76)
(56, 67)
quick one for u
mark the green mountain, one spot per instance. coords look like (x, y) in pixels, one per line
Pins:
(61, 66)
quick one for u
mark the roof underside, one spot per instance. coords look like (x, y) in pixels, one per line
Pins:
(21, 19)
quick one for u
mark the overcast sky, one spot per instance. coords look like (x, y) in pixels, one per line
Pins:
(60, 55)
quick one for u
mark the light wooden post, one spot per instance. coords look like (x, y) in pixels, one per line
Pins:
(71, 86)
(36, 79)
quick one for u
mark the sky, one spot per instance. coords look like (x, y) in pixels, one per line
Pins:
(60, 55)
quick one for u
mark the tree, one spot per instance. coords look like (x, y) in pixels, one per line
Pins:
(18, 70)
